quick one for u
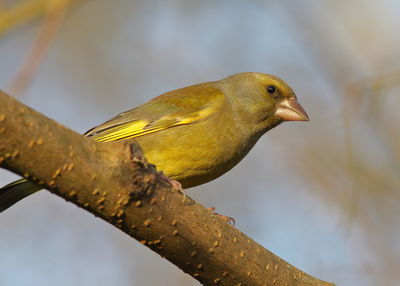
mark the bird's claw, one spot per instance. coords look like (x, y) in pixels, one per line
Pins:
(176, 186)
(226, 219)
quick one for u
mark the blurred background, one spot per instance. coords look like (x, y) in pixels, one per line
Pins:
(322, 195)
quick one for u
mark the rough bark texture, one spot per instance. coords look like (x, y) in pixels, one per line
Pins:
(114, 181)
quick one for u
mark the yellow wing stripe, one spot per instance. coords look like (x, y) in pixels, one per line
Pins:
(128, 130)
(142, 127)
(126, 135)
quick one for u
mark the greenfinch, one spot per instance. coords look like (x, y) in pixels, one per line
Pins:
(196, 133)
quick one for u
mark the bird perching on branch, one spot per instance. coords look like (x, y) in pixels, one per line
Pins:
(197, 133)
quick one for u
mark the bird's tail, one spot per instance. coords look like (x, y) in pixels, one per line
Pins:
(16, 191)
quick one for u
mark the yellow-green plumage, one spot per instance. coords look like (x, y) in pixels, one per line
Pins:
(197, 133)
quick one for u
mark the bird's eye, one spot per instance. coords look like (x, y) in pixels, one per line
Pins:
(271, 89)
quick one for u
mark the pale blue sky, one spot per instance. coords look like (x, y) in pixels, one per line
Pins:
(113, 55)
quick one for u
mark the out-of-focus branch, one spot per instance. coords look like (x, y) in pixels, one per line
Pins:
(48, 29)
(26, 11)
(114, 182)
(21, 13)
(53, 12)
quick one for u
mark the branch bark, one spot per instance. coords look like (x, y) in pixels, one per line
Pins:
(115, 182)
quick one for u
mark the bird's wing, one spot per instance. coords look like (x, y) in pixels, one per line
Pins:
(179, 107)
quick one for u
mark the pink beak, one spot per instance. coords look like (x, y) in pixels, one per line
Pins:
(290, 110)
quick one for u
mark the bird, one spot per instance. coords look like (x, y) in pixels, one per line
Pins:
(197, 133)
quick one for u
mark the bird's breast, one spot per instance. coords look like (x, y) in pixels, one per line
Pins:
(197, 153)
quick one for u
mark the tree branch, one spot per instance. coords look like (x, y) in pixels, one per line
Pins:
(114, 181)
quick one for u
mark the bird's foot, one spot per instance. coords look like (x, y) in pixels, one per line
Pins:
(176, 186)
(226, 219)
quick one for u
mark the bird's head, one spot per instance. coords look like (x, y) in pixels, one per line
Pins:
(263, 99)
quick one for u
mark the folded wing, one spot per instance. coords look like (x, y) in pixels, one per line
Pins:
(179, 107)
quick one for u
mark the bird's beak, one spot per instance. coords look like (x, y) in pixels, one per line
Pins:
(290, 110)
